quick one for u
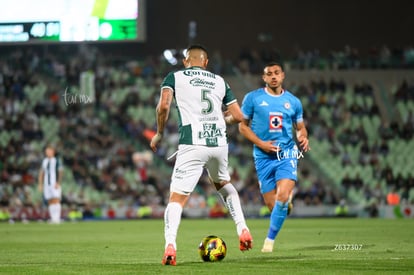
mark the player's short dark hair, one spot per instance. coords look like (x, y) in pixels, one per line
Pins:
(197, 47)
(274, 63)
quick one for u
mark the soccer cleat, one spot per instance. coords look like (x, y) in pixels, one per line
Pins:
(246, 240)
(169, 256)
(290, 207)
(268, 246)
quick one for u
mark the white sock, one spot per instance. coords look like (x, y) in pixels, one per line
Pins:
(231, 198)
(58, 209)
(172, 219)
(54, 212)
(51, 211)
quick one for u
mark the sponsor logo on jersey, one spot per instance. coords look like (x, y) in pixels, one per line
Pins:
(210, 131)
(197, 82)
(199, 72)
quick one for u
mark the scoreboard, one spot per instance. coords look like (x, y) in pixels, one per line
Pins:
(72, 20)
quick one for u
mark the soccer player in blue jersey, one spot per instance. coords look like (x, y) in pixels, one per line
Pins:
(270, 114)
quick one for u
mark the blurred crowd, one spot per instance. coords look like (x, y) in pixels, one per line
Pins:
(104, 143)
(351, 143)
(348, 58)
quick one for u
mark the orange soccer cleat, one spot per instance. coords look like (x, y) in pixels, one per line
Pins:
(246, 240)
(169, 256)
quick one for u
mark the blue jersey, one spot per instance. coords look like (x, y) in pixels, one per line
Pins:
(272, 118)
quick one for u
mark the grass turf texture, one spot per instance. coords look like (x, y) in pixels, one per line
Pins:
(307, 246)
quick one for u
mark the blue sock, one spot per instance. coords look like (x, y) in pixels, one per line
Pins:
(277, 217)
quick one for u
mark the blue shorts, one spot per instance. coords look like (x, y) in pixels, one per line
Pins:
(271, 170)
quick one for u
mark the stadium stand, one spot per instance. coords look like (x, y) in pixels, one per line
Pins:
(361, 130)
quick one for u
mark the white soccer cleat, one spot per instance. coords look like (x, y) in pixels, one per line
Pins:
(268, 246)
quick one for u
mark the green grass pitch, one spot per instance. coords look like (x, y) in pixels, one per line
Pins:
(304, 246)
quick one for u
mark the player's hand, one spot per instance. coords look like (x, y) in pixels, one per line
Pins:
(57, 185)
(155, 140)
(269, 146)
(304, 144)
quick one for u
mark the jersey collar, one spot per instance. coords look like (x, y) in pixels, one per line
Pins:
(283, 91)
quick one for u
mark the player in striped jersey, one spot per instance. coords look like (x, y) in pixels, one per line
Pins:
(49, 182)
(199, 96)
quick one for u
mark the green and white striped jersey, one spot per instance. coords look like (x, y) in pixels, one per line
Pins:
(199, 96)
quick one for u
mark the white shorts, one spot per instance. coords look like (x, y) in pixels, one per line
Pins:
(50, 192)
(190, 162)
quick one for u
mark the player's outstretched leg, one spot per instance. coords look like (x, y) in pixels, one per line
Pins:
(277, 219)
(172, 219)
(231, 199)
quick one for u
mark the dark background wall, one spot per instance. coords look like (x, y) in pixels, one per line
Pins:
(231, 25)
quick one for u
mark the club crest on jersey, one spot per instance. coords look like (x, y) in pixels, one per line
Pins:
(287, 105)
(275, 121)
